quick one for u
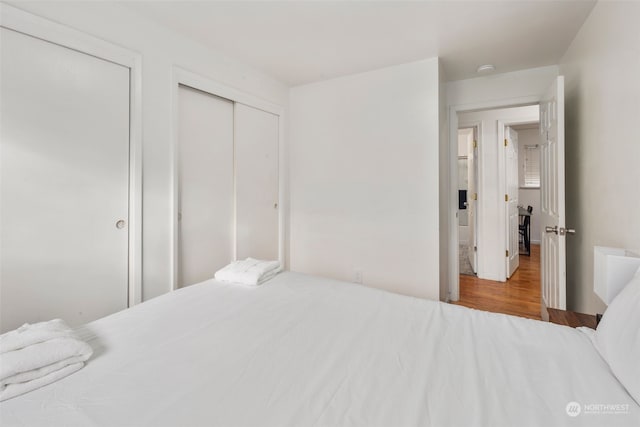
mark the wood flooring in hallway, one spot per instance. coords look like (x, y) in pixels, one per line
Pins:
(519, 296)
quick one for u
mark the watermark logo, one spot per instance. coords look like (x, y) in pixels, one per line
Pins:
(573, 409)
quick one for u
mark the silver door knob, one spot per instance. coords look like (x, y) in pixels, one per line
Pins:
(562, 231)
(553, 229)
(120, 224)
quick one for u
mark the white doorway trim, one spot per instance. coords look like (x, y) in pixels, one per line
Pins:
(18, 20)
(476, 125)
(182, 76)
(454, 110)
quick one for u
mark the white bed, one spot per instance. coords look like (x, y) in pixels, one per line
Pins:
(306, 351)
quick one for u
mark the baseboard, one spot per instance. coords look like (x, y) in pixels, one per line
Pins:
(544, 313)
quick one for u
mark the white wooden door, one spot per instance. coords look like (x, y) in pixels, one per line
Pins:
(552, 195)
(511, 172)
(205, 185)
(256, 174)
(65, 183)
(472, 200)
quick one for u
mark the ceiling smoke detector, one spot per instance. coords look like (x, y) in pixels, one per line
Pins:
(485, 68)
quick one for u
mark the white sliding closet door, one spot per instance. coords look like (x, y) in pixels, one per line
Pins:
(256, 171)
(65, 183)
(205, 184)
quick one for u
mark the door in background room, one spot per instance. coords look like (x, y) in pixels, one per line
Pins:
(472, 200)
(65, 183)
(511, 199)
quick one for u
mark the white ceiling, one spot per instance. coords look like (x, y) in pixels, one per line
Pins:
(300, 42)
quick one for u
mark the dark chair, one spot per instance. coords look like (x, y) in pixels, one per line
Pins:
(530, 210)
(525, 230)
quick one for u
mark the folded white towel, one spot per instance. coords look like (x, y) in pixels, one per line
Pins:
(13, 390)
(38, 354)
(26, 362)
(249, 271)
(29, 334)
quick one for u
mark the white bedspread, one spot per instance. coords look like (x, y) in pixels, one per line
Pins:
(305, 351)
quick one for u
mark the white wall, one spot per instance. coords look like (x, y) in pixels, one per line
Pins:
(601, 69)
(529, 196)
(364, 155)
(160, 49)
(491, 215)
(496, 88)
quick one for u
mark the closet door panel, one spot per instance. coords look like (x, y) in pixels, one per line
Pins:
(205, 184)
(256, 172)
(65, 183)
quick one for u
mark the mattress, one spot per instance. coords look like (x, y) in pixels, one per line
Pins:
(307, 351)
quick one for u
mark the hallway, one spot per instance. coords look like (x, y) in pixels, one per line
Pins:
(519, 296)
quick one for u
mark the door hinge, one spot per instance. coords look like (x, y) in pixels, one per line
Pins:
(506, 197)
(475, 196)
(475, 249)
(506, 142)
(507, 253)
(475, 144)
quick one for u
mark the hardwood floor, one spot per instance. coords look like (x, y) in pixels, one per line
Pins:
(571, 318)
(519, 296)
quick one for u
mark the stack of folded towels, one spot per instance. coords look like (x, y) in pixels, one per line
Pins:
(35, 355)
(250, 271)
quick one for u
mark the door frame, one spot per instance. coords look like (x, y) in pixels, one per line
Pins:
(26, 23)
(476, 125)
(185, 77)
(454, 110)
